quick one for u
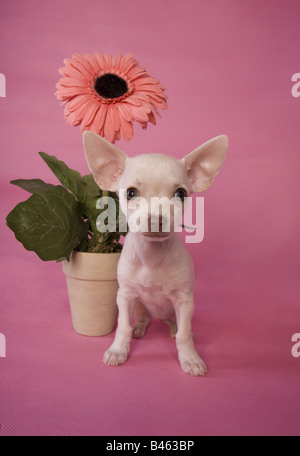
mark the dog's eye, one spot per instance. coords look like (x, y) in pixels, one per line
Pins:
(132, 193)
(181, 194)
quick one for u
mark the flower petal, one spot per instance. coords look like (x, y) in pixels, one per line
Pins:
(81, 111)
(133, 100)
(151, 118)
(69, 71)
(90, 114)
(148, 88)
(75, 103)
(113, 117)
(71, 119)
(101, 62)
(67, 93)
(144, 99)
(126, 130)
(136, 72)
(161, 104)
(109, 63)
(80, 61)
(92, 61)
(77, 66)
(127, 63)
(109, 132)
(139, 114)
(100, 118)
(118, 135)
(71, 82)
(124, 111)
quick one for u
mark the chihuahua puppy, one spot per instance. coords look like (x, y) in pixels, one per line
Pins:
(155, 272)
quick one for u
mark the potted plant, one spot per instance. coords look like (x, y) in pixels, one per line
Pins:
(59, 222)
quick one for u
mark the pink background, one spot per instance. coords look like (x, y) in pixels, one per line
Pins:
(227, 67)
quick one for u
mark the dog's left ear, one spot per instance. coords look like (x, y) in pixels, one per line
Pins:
(203, 164)
(105, 160)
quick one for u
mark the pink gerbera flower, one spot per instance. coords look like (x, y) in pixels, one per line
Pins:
(105, 95)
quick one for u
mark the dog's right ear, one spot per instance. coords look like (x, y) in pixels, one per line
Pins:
(203, 164)
(106, 162)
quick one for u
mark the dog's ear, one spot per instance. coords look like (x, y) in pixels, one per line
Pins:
(105, 161)
(203, 164)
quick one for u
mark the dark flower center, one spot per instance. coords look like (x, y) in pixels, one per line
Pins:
(111, 86)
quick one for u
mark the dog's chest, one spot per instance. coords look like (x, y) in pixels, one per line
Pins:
(154, 292)
(155, 275)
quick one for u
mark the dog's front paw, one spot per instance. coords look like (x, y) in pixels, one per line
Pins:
(193, 365)
(113, 357)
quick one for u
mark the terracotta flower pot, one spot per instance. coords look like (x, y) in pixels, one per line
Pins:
(92, 288)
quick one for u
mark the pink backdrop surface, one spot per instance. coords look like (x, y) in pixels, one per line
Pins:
(227, 67)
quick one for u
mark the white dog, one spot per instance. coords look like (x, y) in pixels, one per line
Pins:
(155, 272)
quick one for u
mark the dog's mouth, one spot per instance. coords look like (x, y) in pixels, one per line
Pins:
(157, 236)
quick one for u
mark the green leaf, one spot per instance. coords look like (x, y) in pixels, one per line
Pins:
(93, 188)
(68, 177)
(32, 185)
(49, 223)
(85, 190)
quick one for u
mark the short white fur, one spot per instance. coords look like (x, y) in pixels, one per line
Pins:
(155, 272)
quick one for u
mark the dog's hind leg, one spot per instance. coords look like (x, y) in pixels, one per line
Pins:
(142, 319)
